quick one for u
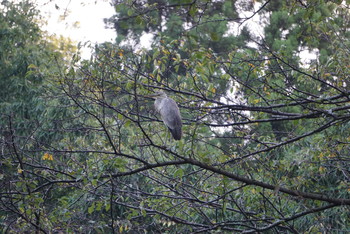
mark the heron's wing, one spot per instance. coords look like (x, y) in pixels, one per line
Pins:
(171, 117)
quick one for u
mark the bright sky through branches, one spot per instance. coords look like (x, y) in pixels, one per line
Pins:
(79, 20)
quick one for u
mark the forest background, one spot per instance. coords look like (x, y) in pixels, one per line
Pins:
(266, 140)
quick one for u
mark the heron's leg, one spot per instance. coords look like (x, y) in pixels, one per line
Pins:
(172, 143)
(166, 138)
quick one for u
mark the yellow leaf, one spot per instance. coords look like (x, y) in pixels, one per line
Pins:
(47, 156)
(120, 53)
(255, 101)
(166, 52)
(32, 66)
(321, 169)
(321, 155)
(19, 171)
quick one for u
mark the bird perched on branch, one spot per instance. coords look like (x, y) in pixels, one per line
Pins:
(169, 111)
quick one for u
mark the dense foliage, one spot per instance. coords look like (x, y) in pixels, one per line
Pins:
(266, 129)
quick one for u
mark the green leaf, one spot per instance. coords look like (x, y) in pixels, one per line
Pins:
(91, 208)
(179, 173)
(108, 206)
(99, 206)
(130, 12)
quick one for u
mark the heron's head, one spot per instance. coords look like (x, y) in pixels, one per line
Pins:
(158, 94)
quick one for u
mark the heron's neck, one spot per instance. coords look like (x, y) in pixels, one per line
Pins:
(158, 103)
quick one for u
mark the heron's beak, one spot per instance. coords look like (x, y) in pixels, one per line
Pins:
(147, 96)
(152, 95)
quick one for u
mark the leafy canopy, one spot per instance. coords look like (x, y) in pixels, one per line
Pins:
(266, 132)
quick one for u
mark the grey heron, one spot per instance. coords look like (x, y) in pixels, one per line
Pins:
(169, 111)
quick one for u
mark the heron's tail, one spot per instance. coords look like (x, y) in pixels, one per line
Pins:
(176, 132)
